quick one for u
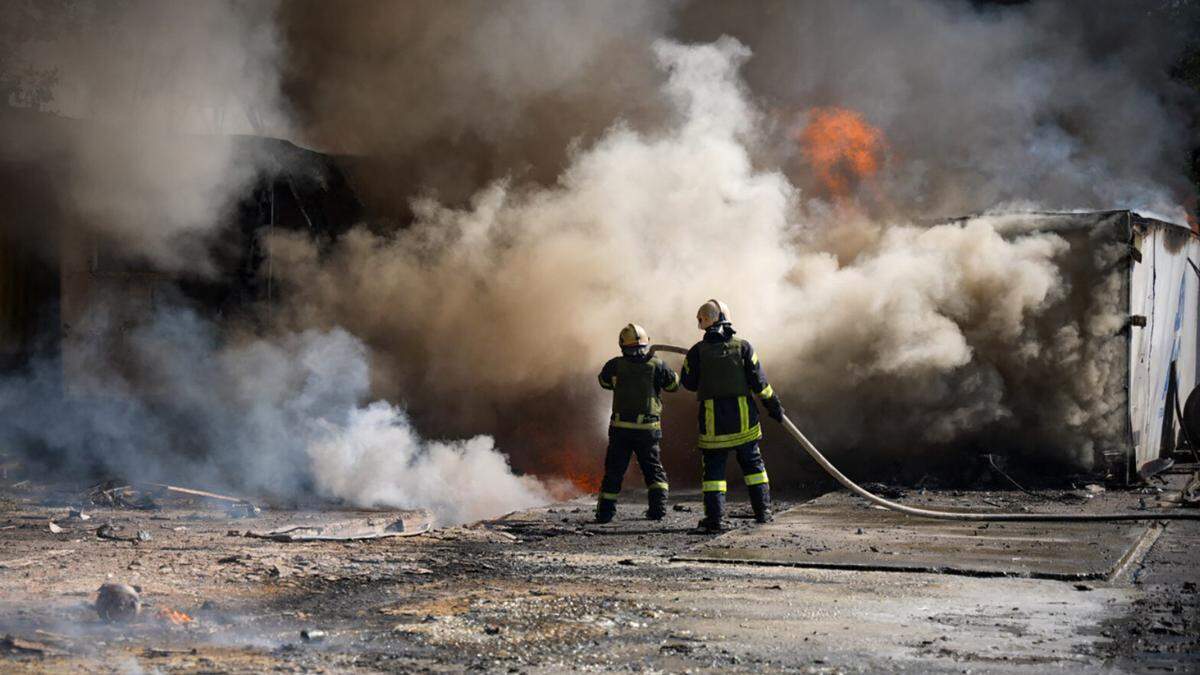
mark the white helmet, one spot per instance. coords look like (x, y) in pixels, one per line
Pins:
(712, 312)
(633, 336)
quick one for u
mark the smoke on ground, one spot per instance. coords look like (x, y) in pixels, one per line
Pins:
(279, 417)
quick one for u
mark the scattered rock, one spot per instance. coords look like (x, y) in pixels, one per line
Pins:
(278, 571)
(118, 602)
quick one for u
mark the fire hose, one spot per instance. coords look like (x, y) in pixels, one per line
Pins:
(950, 515)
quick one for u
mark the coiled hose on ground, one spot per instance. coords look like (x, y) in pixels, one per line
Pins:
(952, 515)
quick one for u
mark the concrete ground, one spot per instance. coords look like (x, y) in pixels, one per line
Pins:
(546, 591)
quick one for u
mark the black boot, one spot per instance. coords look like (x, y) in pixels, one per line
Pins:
(605, 510)
(657, 504)
(714, 512)
(760, 499)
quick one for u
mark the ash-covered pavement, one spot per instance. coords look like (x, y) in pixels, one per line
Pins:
(545, 591)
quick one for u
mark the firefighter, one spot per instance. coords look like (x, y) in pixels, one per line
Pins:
(635, 378)
(725, 373)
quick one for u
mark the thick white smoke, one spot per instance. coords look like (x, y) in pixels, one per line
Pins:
(376, 458)
(567, 172)
(524, 289)
(141, 140)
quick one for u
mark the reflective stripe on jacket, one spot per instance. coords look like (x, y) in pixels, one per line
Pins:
(636, 383)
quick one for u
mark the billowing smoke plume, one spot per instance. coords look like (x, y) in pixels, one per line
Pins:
(446, 96)
(138, 140)
(521, 291)
(1049, 104)
(148, 95)
(546, 175)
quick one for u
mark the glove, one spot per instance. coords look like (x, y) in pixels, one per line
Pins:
(774, 408)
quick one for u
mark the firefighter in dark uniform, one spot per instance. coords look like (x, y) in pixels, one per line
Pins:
(725, 373)
(635, 379)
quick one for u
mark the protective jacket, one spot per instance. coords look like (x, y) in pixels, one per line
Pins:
(725, 373)
(636, 382)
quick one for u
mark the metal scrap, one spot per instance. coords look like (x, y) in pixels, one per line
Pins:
(351, 530)
(141, 496)
(120, 496)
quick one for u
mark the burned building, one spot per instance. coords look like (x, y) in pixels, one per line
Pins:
(1107, 369)
(55, 271)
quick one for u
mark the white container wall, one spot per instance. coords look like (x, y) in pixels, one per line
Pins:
(1163, 289)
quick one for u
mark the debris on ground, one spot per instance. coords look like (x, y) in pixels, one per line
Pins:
(76, 515)
(312, 635)
(413, 523)
(543, 590)
(116, 495)
(243, 510)
(1190, 495)
(885, 491)
(148, 497)
(158, 652)
(14, 645)
(118, 602)
(111, 531)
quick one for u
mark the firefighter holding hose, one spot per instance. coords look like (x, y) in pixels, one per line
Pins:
(725, 373)
(636, 379)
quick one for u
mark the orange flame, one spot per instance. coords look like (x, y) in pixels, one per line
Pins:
(843, 148)
(175, 617)
(585, 482)
(567, 455)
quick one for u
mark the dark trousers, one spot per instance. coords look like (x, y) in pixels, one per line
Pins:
(713, 484)
(624, 444)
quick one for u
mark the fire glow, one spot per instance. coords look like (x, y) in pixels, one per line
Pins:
(843, 149)
(172, 616)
